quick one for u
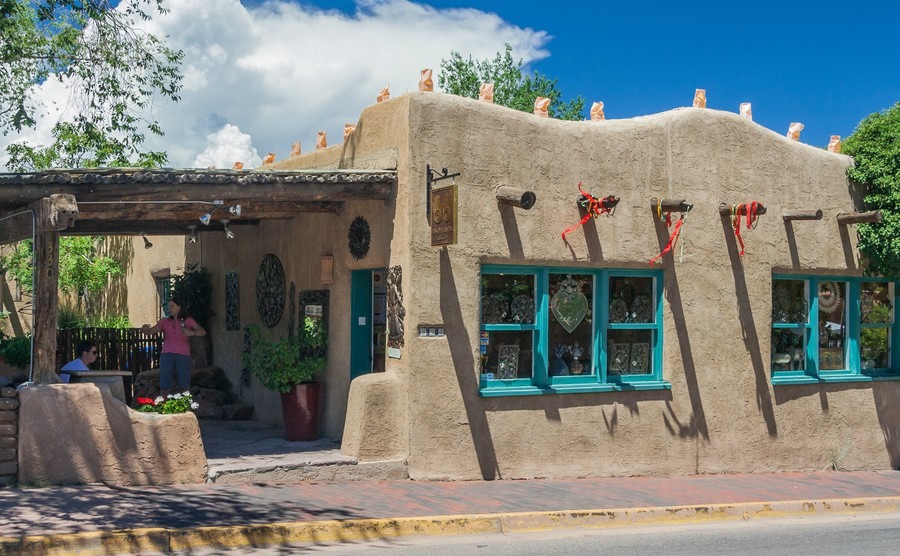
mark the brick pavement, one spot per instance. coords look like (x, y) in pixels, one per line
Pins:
(82, 510)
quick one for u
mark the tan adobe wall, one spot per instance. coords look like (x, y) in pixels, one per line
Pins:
(722, 413)
(79, 433)
(379, 142)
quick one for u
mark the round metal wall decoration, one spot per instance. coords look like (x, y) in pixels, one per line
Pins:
(359, 237)
(270, 290)
(829, 297)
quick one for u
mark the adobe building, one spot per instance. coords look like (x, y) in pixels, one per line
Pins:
(469, 339)
(709, 360)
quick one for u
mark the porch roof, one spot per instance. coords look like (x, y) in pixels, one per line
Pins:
(167, 200)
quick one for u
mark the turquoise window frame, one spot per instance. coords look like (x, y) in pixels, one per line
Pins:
(540, 382)
(853, 371)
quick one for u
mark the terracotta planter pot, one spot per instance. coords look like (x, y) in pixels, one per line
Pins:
(300, 409)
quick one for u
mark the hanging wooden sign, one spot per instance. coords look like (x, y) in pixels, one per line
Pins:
(443, 216)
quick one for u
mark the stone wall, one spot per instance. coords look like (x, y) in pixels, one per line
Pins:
(9, 425)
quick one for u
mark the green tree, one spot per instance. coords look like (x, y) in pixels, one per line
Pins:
(114, 71)
(82, 269)
(875, 148)
(512, 88)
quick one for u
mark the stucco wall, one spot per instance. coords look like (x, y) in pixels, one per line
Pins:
(379, 142)
(722, 413)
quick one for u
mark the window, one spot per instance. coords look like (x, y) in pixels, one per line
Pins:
(832, 329)
(163, 294)
(557, 330)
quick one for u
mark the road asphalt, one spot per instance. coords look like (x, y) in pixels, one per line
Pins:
(97, 519)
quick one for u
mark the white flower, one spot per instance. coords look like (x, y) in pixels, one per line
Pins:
(159, 399)
(176, 397)
(194, 405)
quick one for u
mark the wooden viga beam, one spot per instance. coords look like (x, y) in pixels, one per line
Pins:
(811, 214)
(669, 205)
(516, 197)
(726, 210)
(844, 218)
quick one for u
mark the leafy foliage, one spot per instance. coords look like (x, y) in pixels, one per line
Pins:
(512, 88)
(194, 286)
(114, 70)
(81, 268)
(875, 147)
(16, 351)
(282, 363)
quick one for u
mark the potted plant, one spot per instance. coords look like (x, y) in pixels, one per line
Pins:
(288, 365)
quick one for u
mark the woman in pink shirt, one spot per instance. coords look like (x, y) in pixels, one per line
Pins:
(175, 359)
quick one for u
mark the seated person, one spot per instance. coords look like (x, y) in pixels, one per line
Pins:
(88, 354)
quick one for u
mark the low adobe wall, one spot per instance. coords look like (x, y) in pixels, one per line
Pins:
(79, 433)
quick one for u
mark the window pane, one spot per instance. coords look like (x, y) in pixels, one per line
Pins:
(875, 298)
(631, 299)
(788, 349)
(507, 299)
(789, 301)
(571, 323)
(875, 351)
(832, 324)
(508, 355)
(630, 352)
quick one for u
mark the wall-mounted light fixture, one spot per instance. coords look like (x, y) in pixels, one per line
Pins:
(147, 244)
(235, 210)
(193, 229)
(326, 276)
(228, 233)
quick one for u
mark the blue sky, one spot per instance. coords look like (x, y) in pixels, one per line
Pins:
(261, 75)
(823, 63)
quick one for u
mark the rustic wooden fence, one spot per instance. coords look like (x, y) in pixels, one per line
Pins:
(123, 349)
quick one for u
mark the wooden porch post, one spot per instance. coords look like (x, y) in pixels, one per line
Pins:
(52, 214)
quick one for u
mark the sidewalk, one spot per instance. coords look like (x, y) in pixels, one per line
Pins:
(99, 519)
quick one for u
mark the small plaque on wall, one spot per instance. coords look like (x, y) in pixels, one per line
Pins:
(393, 353)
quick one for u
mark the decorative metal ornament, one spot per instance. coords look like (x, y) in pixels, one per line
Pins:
(829, 297)
(568, 304)
(359, 237)
(396, 311)
(232, 301)
(270, 290)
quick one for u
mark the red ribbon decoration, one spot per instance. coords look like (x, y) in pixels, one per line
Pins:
(673, 239)
(594, 207)
(752, 220)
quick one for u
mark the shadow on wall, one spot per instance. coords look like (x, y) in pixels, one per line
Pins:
(696, 426)
(886, 395)
(114, 300)
(748, 328)
(462, 354)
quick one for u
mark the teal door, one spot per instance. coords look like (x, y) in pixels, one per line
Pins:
(367, 321)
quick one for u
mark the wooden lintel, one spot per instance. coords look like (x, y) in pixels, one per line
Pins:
(13, 195)
(50, 214)
(254, 210)
(515, 197)
(813, 214)
(151, 227)
(728, 210)
(670, 205)
(844, 218)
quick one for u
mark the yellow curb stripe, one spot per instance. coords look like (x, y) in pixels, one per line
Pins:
(165, 540)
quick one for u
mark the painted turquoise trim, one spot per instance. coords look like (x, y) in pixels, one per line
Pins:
(783, 381)
(490, 392)
(598, 380)
(853, 317)
(360, 335)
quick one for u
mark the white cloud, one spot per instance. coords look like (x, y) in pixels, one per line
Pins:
(281, 71)
(225, 147)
